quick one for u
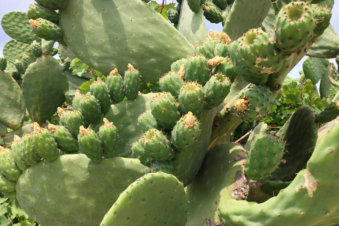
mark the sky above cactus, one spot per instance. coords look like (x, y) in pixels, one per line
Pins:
(22, 5)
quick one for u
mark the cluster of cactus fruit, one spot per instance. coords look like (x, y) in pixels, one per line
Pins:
(118, 155)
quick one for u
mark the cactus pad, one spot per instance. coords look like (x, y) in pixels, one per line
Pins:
(14, 50)
(36, 11)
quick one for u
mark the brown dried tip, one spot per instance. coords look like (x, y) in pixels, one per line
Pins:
(131, 68)
(83, 131)
(2, 148)
(34, 23)
(311, 183)
(337, 104)
(16, 139)
(60, 111)
(181, 71)
(241, 105)
(190, 121)
(214, 62)
(52, 128)
(67, 59)
(114, 72)
(224, 38)
(107, 123)
(36, 128)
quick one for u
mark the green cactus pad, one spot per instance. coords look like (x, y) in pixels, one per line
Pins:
(53, 4)
(212, 12)
(227, 68)
(216, 89)
(147, 121)
(131, 82)
(197, 70)
(100, 91)
(6, 186)
(8, 167)
(185, 132)
(153, 146)
(264, 156)
(12, 102)
(165, 167)
(115, 84)
(138, 24)
(47, 47)
(90, 108)
(143, 203)
(66, 142)
(72, 120)
(83, 190)
(306, 201)
(171, 82)
(125, 115)
(36, 11)
(329, 113)
(14, 50)
(90, 144)
(191, 98)
(176, 66)
(46, 29)
(108, 135)
(44, 86)
(255, 57)
(253, 102)
(294, 26)
(16, 25)
(194, 5)
(165, 110)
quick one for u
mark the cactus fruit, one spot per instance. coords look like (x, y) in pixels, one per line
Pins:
(186, 132)
(322, 16)
(216, 89)
(153, 146)
(177, 65)
(197, 70)
(90, 108)
(165, 167)
(147, 121)
(173, 15)
(3, 64)
(253, 102)
(36, 11)
(294, 26)
(165, 110)
(6, 185)
(99, 90)
(207, 48)
(19, 66)
(221, 49)
(131, 82)
(172, 83)
(35, 49)
(191, 98)
(72, 120)
(90, 144)
(46, 29)
(194, 5)
(115, 84)
(255, 56)
(109, 138)
(65, 140)
(222, 4)
(264, 156)
(212, 12)
(227, 68)
(8, 167)
(53, 4)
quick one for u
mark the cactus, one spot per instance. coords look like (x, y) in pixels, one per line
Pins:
(105, 148)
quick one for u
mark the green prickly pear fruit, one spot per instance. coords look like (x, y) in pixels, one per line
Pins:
(264, 156)
(172, 83)
(191, 98)
(3, 64)
(131, 82)
(207, 49)
(90, 108)
(19, 67)
(76, 100)
(36, 49)
(115, 84)
(8, 167)
(185, 132)
(67, 64)
(90, 144)
(72, 120)
(177, 65)
(65, 141)
(212, 12)
(165, 167)
(221, 49)
(48, 47)
(255, 56)
(165, 110)
(294, 26)
(24, 153)
(227, 68)
(44, 144)
(109, 138)
(147, 121)
(222, 4)
(173, 15)
(6, 186)
(36, 11)
(53, 4)
(153, 146)
(194, 5)
(216, 89)
(26, 60)
(196, 69)
(46, 29)
(100, 91)
(322, 16)
(253, 102)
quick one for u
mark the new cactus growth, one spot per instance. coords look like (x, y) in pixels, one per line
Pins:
(159, 144)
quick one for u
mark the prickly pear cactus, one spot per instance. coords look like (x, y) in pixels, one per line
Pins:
(145, 134)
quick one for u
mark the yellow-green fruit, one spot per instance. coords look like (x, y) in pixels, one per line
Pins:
(191, 98)
(90, 144)
(100, 91)
(216, 89)
(115, 84)
(171, 82)
(8, 167)
(108, 135)
(72, 120)
(131, 82)
(66, 142)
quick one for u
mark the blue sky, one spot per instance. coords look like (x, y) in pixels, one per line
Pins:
(22, 5)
